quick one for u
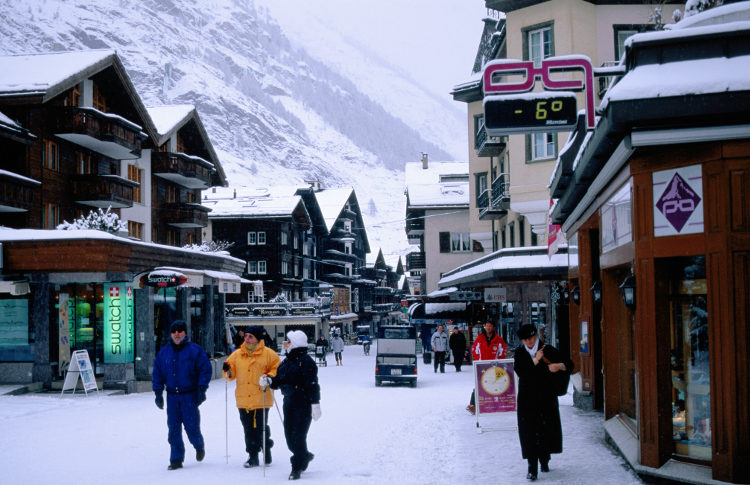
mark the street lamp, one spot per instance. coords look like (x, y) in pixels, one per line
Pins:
(596, 291)
(628, 291)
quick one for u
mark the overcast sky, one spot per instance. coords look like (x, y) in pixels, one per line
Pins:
(435, 41)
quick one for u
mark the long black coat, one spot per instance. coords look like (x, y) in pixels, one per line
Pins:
(457, 343)
(538, 411)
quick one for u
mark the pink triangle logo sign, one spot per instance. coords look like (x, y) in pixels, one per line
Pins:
(678, 202)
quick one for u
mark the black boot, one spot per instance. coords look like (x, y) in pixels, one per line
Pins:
(268, 454)
(544, 465)
(531, 475)
(295, 474)
(200, 454)
(174, 465)
(310, 457)
(252, 462)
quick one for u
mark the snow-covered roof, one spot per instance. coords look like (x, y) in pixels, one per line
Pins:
(167, 118)
(9, 123)
(37, 73)
(415, 174)
(331, 201)
(253, 206)
(508, 261)
(453, 194)
(14, 175)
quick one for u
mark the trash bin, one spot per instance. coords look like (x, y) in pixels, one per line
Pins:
(427, 357)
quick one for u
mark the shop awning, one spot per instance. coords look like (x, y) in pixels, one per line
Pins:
(442, 292)
(226, 282)
(270, 322)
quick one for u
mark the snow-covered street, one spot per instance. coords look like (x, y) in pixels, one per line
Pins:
(367, 435)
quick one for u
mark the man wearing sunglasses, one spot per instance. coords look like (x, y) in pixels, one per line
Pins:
(184, 369)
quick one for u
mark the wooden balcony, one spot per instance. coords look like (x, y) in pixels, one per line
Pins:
(103, 191)
(415, 261)
(185, 215)
(185, 170)
(414, 226)
(16, 192)
(488, 146)
(105, 133)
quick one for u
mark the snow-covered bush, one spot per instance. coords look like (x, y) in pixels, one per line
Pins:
(210, 246)
(280, 298)
(98, 220)
(693, 7)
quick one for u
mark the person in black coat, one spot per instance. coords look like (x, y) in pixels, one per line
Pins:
(457, 343)
(539, 428)
(297, 377)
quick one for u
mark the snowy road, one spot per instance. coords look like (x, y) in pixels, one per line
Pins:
(367, 435)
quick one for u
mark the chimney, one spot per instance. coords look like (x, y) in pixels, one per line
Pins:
(424, 161)
(315, 185)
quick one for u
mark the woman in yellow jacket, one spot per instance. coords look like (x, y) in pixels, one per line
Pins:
(247, 364)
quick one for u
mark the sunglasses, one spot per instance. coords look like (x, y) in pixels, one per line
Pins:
(178, 330)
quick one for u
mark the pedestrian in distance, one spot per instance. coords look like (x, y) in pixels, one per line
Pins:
(246, 365)
(457, 343)
(337, 344)
(238, 339)
(322, 342)
(183, 368)
(268, 340)
(297, 377)
(366, 344)
(439, 343)
(538, 411)
(488, 346)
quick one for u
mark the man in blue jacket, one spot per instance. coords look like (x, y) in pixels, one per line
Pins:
(184, 369)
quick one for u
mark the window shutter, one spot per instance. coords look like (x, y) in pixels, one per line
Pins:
(445, 242)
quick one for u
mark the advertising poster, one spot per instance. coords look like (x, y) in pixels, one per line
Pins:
(118, 328)
(495, 386)
(63, 330)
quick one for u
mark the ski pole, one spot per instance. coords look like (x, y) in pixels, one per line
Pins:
(275, 403)
(264, 431)
(226, 421)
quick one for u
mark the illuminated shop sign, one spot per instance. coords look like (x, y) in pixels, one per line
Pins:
(118, 319)
(535, 112)
(163, 279)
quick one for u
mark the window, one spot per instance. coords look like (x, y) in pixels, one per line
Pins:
(51, 216)
(73, 98)
(481, 186)
(261, 267)
(190, 238)
(623, 31)
(173, 238)
(478, 128)
(190, 197)
(50, 155)
(261, 237)
(284, 238)
(170, 194)
(180, 144)
(540, 146)
(135, 229)
(348, 248)
(511, 235)
(252, 267)
(99, 102)
(83, 163)
(296, 241)
(284, 268)
(534, 239)
(539, 43)
(454, 242)
(521, 233)
(136, 175)
(348, 270)
(348, 226)
(502, 233)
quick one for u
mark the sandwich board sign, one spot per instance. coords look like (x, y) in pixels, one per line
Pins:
(80, 365)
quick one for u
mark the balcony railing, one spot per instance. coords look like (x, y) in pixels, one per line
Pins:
(104, 133)
(185, 215)
(103, 191)
(16, 192)
(488, 146)
(500, 192)
(185, 170)
(483, 201)
(415, 261)
(414, 223)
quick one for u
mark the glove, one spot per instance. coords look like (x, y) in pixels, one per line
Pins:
(159, 400)
(226, 367)
(200, 396)
(316, 412)
(264, 381)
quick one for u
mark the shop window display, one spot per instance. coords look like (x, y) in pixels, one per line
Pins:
(16, 340)
(689, 357)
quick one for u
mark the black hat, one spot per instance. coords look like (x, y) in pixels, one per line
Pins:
(178, 326)
(256, 331)
(526, 331)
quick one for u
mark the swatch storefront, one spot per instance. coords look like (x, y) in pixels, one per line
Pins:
(87, 290)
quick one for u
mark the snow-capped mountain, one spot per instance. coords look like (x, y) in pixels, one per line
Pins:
(274, 113)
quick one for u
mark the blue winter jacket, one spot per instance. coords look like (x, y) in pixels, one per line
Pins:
(182, 369)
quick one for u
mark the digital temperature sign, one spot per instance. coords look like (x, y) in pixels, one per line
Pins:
(529, 113)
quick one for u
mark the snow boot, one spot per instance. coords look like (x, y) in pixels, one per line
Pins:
(295, 474)
(252, 462)
(268, 452)
(174, 465)
(200, 454)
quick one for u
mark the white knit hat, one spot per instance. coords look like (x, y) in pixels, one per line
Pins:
(297, 338)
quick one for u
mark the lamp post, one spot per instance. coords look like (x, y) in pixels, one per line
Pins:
(596, 291)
